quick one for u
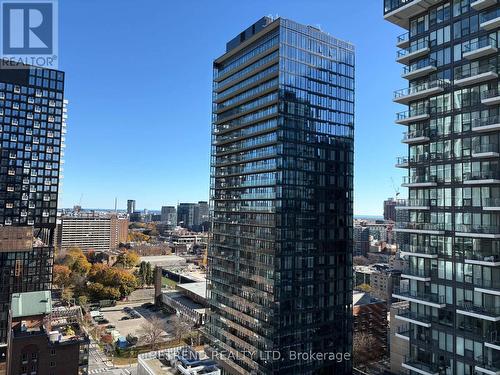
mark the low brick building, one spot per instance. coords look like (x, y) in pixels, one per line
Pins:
(41, 345)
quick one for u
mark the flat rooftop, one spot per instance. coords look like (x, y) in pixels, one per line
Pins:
(185, 301)
(198, 288)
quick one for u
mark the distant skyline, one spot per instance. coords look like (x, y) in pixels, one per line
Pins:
(139, 87)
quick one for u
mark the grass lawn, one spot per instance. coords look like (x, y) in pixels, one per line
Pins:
(168, 282)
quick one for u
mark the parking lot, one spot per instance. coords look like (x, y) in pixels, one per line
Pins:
(128, 319)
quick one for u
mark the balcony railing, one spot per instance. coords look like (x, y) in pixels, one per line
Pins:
(422, 296)
(487, 284)
(490, 94)
(482, 257)
(421, 226)
(427, 250)
(424, 367)
(479, 44)
(412, 49)
(416, 134)
(485, 148)
(403, 39)
(469, 306)
(402, 161)
(408, 314)
(421, 64)
(489, 16)
(491, 122)
(419, 179)
(469, 71)
(417, 112)
(478, 229)
(482, 175)
(419, 272)
(487, 364)
(390, 5)
(418, 203)
(491, 202)
(401, 94)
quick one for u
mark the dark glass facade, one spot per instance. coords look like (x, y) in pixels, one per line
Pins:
(32, 127)
(280, 253)
(451, 61)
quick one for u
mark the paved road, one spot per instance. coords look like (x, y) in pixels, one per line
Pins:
(98, 362)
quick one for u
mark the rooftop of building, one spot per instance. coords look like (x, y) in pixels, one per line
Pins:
(31, 304)
(198, 288)
(363, 298)
(376, 268)
(184, 360)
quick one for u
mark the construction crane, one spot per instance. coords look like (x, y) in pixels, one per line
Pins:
(396, 188)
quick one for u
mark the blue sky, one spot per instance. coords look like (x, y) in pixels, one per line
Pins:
(138, 78)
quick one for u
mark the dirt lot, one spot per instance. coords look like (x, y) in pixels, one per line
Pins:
(133, 326)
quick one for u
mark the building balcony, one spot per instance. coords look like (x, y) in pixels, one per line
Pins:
(485, 150)
(428, 299)
(482, 177)
(424, 228)
(419, 69)
(405, 55)
(482, 4)
(399, 12)
(486, 286)
(419, 181)
(490, 20)
(412, 317)
(430, 252)
(424, 90)
(486, 366)
(470, 76)
(420, 367)
(419, 274)
(480, 48)
(415, 204)
(403, 332)
(416, 137)
(490, 97)
(403, 40)
(467, 308)
(413, 115)
(402, 162)
(486, 124)
(477, 231)
(480, 259)
(491, 204)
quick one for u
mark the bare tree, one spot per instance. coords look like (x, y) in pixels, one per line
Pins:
(362, 344)
(181, 327)
(151, 331)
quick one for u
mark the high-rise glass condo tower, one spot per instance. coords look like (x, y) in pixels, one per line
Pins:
(32, 127)
(280, 255)
(451, 60)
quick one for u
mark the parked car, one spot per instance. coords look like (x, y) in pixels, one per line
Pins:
(125, 318)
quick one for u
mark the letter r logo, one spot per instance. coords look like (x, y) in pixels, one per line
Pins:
(27, 27)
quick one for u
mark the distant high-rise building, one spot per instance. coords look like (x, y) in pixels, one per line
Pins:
(280, 256)
(390, 209)
(452, 117)
(186, 214)
(361, 240)
(91, 232)
(32, 127)
(130, 206)
(169, 215)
